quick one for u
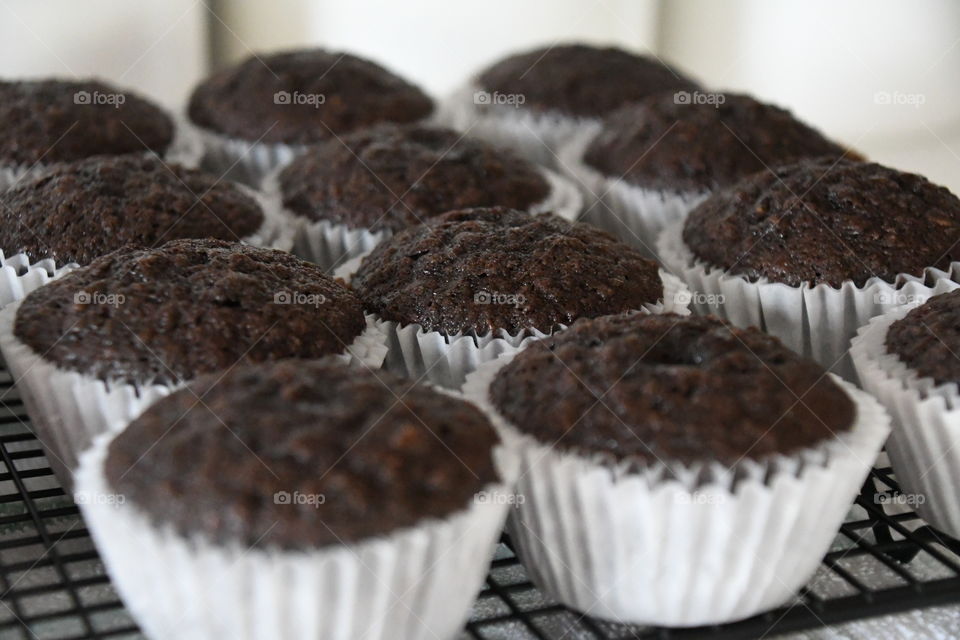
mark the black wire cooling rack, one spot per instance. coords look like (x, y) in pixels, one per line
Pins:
(53, 585)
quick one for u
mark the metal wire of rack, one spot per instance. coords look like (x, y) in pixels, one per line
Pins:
(54, 587)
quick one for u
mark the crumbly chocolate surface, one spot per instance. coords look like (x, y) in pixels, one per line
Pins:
(60, 121)
(927, 339)
(670, 388)
(827, 221)
(78, 211)
(391, 177)
(580, 80)
(480, 270)
(302, 454)
(300, 97)
(187, 308)
(667, 145)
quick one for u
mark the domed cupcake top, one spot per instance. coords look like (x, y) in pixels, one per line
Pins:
(669, 144)
(76, 212)
(668, 388)
(304, 96)
(827, 221)
(302, 454)
(184, 309)
(580, 80)
(59, 121)
(391, 177)
(483, 270)
(927, 339)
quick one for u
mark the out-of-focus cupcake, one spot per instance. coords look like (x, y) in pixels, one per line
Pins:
(811, 251)
(255, 116)
(665, 461)
(352, 192)
(93, 348)
(299, 500)
(468, 285)
(50, 121)
(907, 358)
(78, 211)
(651, 162)
(533, 102)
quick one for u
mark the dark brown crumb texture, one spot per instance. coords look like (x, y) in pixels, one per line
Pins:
(481, 270)
(391, 177)
(668, 388)
(187, 308)
(827, 221)
(927, 339)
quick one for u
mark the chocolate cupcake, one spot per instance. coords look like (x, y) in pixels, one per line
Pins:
(290, 484)
(907, 359)
(351, 193)
(651, 162)
(467, 285)
(638, 433)
(92, 349)
(78, 211)
(50, 121)
(255, 116)
(811, 251)
(534, 101)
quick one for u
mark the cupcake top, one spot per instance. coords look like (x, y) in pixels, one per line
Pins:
(669, 388)
(187, 308)
(827, 221)
(78, 211)
(59, 121)
(391, 177)
(302, 454)
(483, 270)
(579, 80)
(305, 96)
(667, 144)
(927, 339)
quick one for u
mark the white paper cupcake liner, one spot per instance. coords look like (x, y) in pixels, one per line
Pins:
(445, 360)
(702, 545)
(415, 584)
(535, 136)
(635, 215)
(924, 446)
(69, 409)
(330, 245)
(817, 322)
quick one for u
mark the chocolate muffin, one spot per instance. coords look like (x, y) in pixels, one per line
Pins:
(187, 308)
(827, 221)
(927, 339)
(482, 270)
(391, 177)
(78, 211)
(670, 388)
(302, 97)
(579, 80)
(318, 429)
(666, 144)
(59, 121)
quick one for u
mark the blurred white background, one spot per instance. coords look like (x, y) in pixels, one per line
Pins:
(880, 75)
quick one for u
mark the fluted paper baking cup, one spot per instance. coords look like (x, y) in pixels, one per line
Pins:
(924, 446)
(816, 321)
(534, 136)
(635, 542)
(635, 215)
(69, 409)
(330, 245)
(415, 584)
